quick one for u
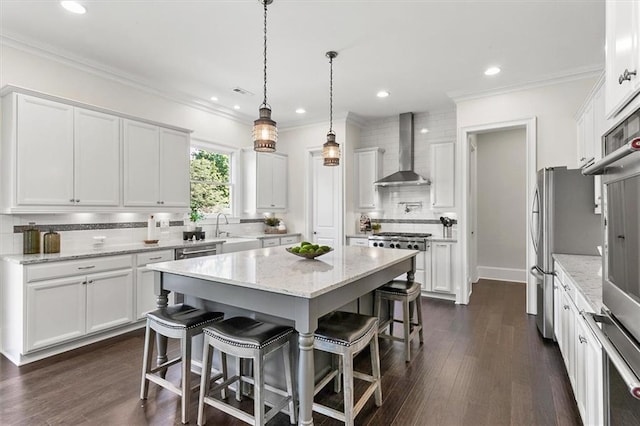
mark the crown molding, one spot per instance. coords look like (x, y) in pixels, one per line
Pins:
(112, 74)
(576, 74)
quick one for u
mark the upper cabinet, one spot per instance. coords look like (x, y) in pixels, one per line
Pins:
(156, 166)
(622, 54)
(442, 175)
(62, 156)
(368, 163)
(265, 181)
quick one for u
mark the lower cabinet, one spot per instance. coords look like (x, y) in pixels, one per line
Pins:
(442, 267)
(146, 299)
(280, 241)
(580, 350)
(358, 241)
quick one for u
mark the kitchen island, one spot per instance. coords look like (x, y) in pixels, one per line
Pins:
(274, 282)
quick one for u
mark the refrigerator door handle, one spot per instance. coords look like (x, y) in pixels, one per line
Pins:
(535, 212)
(536, 273)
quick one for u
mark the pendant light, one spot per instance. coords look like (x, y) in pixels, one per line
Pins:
(265, 132)
(330, 149)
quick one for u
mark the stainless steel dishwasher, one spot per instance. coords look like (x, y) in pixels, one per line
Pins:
(199, 250)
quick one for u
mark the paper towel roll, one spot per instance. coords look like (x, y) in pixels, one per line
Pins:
(151, 228)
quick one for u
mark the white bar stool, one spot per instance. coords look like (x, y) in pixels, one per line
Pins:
(408, 293)
(175, 322)
(245, 337)
(346, 334)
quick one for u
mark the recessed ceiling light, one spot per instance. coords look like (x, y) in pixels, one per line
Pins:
(214, 98)
(424, 130)
(300, 111)
(492, 71)
(236, 107)
(382, 94)
(74, 7)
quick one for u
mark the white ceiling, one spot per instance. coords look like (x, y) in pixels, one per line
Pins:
(422, 51)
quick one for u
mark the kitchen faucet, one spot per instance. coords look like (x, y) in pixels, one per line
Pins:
(218, 223)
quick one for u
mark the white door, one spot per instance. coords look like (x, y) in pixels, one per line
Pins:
(326, 204)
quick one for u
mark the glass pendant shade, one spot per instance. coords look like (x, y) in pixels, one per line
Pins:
(265, 132)
(331, 151)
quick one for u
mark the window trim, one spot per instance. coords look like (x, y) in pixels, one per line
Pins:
(233, 183)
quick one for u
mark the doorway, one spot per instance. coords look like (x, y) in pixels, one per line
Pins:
(325, 202)
(469, 204)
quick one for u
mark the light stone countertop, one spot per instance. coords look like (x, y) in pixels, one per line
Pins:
(583, 271)
(113, 250)
(275, 270)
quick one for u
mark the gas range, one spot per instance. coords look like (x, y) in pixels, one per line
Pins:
(402, 240)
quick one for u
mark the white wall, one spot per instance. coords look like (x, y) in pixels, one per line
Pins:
(501, 201)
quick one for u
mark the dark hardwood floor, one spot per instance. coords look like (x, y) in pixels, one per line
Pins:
(481, 364)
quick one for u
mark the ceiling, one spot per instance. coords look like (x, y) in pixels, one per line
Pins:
(421, 51)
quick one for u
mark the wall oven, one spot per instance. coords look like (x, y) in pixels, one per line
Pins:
(619, 331)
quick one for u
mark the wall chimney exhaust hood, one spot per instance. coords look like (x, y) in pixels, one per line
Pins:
(406, 175)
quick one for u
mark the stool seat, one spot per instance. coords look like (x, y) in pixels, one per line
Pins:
(400, 287)
(247, 332)
(177, 322)
(344, 328)
(183, 316)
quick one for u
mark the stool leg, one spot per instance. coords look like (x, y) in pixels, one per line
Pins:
(146, 360)
(375, 369)
(407, 329)
(347, 359)
(239, 373)
(225, 373)
(336, 365)
(418, 303)
(287, 378)
(186, 375)
(207, 356)
(392, 315)
(258, 390)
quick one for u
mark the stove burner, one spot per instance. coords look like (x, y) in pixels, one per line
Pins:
(401, 240)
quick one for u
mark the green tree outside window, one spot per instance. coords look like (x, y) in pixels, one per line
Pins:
(210, 183)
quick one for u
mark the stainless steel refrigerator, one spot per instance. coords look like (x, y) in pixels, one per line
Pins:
(562, 221)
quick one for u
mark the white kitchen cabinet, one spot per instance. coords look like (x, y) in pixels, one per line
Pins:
(442, 175)
(265, 181)
(581, 352)
(66, 157)
(358, 241)
(146, 299)
(442, 267)
(156, 166)
(622, 54)
(280, 241)
(50, 305)
(368, 169)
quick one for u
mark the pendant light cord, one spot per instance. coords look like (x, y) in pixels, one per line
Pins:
(330, 94)
(265, 53)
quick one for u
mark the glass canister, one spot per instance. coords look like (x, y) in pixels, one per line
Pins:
(31, 239)
(51, 242)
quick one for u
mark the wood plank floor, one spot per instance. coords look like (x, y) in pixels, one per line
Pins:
(481, 364)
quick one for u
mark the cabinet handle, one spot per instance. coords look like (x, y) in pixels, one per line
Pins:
(582, 159)
(72, 200)
(77, 201)
(161, 202)
(566, 287)
(566, 307)
(86, 267)
(90, 281)
(84, 282)
(155, 258)
(582, 339)
(626, 75)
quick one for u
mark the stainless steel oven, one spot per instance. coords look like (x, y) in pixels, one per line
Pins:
(620, 333)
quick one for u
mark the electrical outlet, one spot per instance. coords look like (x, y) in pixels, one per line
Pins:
(164, 223)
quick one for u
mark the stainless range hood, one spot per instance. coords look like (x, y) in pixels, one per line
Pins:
(406, 175)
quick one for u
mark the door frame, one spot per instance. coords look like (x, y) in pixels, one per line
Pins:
(529, 125)
(308, 196)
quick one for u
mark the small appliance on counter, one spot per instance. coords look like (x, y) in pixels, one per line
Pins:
(193, 235)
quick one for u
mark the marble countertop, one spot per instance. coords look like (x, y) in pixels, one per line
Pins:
(275, 270)
(112, 250)
(583, 271)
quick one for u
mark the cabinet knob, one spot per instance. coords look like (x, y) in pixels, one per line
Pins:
(566, 307)
(582, 339)
(77, 201)
(72, 200)
(626, 76)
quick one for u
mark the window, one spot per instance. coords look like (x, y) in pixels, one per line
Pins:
(211, 183)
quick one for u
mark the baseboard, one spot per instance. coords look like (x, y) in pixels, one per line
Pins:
(502, 274)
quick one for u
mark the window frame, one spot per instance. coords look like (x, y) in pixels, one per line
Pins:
(233, 154)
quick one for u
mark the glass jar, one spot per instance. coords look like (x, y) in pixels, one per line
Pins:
(31, 239)
(51, 242)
